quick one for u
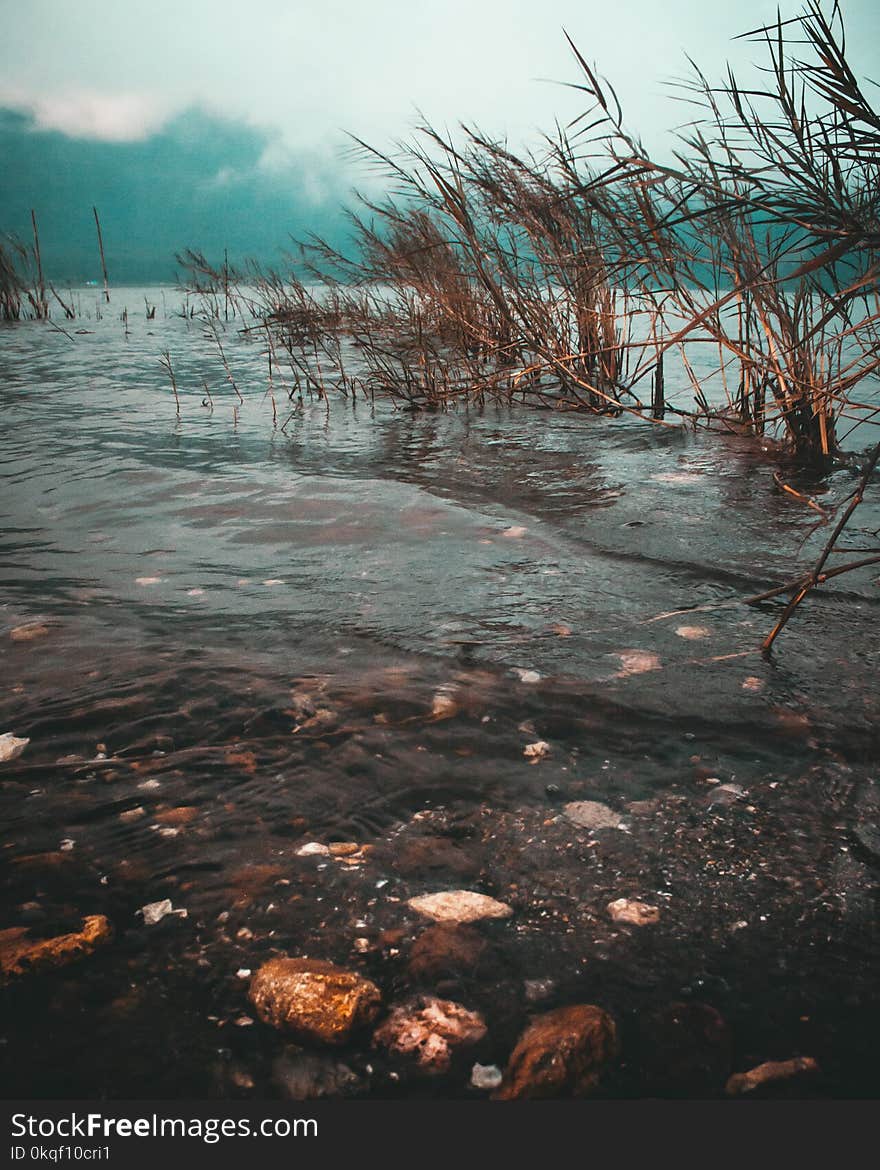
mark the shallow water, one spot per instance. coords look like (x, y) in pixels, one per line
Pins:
(331, 631)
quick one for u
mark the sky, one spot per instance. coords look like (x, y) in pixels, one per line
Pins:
(232, 116)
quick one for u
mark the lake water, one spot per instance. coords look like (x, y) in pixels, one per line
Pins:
(225, 640)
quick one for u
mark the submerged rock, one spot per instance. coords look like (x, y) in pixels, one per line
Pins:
(445, 949)
(459, 906)
(769, 1073)
(486, 1077)
(19, 954)
(11, 746)
(560, 1054)
(633, 913)
(591, 814)
(309, 1076)
(535, 752)
(685, 1050)
(312, 1000)
(431, 1031)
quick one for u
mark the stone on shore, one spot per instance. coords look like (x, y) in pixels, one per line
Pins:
(313, 1001)
(560, 1054)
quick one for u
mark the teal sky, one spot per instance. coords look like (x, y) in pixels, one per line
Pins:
(230, 115)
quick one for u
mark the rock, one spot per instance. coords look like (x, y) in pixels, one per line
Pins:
(514, 532)
(19, 954)
(132, 814)
(312, 1000)
(535, 752)
(29, 632)
(685, 1050)
(538, 990)
(636, 662)
(309, 1076)
(446, 949)
(693, 633)
(590, 814)
(486, 1077)
(725, 794)
(431, 1031)
(343, 848)
(459, 906)
(154, 912)
(444, 705)
(560, 1054)
(313, 849)
(772, 1072)
(182, 815)
(527, 676)
(430, 852)
(633, 913)
(11, 747)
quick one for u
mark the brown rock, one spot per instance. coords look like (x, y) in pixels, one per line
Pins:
(182, 815)
(343, 848)
(445, 949)
(560, 1054)
(431, 1031)
(769, 1073)
(19, 954)
(313, 1001)
(429, 853)
(30, 632)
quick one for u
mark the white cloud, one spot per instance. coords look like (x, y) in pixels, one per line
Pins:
(84, 113)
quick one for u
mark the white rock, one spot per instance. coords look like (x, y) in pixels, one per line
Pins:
(313, 849)
(527, 676)
(459, 906)
(486, 1076)
(536, 751)
(514, 532)
(11, 747)
(154, 912)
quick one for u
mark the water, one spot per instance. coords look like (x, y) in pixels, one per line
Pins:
(349, 630)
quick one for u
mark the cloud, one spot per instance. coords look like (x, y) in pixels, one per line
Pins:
(94, 116)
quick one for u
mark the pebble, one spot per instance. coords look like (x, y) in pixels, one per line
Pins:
(459, 906)
(535, 752)
(313, 849)
(769, 1073)
(633, 913)
(486, 1077)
